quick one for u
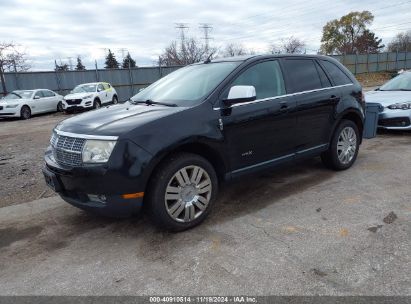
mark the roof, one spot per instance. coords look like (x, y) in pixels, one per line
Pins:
(256, 57)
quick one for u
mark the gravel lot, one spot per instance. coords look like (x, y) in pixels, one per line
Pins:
(298, 230)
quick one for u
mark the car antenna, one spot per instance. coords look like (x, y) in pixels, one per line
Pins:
(208, 60)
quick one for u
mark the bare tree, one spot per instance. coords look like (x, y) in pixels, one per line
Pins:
(400, 43)
(11, 59)
(234, 49)
(289, 45)
(191, 51)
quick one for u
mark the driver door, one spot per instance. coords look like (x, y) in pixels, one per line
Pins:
(259, 133)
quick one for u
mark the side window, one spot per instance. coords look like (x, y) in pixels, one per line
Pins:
(303, 74)
(106, 86)
(39, 94)
(100, 88)
(266, 77)
(323, 77)
(335, 73)
(47, 93)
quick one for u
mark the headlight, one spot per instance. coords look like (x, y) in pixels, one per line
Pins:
(400, 106)
(97, 151)
(12, 106)
(87, 97)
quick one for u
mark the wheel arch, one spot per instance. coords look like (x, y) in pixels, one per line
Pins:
(354, 116)
(201, 149)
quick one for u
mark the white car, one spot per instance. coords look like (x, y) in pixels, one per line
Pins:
(394, 99)
(25, 103)
(90, 95)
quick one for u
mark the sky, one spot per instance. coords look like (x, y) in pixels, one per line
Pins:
(50, 30)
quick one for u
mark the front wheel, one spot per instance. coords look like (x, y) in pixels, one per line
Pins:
(25, 112)
(182, 192)
(96, 104)
(344, 146)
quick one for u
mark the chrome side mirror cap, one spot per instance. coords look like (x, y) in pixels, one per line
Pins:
(239, 94)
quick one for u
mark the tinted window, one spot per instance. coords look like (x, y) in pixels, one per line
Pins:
(303, 74)
(336, 74)
(323, 77)
(266, 77)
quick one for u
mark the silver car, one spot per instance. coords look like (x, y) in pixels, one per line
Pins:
(394, 98)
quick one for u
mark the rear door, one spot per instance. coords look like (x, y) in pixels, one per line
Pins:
(38, 103)
(102, 93)
(316, 101)
(260, 132)
(50, 100)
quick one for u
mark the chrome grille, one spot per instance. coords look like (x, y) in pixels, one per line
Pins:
(67, 150)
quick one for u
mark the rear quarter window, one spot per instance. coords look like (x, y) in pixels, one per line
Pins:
(303, 75)
(338, 76)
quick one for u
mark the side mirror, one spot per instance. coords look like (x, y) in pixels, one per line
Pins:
(36, 97)
(240, 94)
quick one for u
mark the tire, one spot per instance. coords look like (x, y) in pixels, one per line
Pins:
(340, 155)
(25, 112)
(183, 201)
(60, 107)
(115, 99)
(96, 104)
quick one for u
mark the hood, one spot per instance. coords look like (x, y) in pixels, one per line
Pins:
(387, 98)
(5, 102)
(77, 95)
(115, 120)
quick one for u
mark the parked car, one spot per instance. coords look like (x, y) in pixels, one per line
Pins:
(90, 95)
(173, 143)
(394, 98)
(25, 103)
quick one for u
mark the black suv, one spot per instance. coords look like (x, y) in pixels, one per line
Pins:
(172, 144)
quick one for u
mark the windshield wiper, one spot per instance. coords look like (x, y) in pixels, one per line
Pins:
(150, 102)
(16, 95)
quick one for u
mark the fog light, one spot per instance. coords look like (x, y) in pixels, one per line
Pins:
(97, 198)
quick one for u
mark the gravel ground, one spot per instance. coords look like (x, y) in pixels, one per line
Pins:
(21, 157)
(298, 230)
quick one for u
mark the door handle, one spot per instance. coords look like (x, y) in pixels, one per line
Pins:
(334, 98)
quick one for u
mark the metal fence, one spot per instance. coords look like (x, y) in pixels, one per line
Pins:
(370, 63)
(128, 81)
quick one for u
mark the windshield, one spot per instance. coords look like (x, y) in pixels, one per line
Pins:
(400, 83)
(187, 86)
(84, 88)
(19, 95)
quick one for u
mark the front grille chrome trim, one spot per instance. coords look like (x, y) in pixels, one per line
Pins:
(86, 136)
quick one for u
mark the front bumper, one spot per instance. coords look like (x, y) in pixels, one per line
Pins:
(85, 104)
(395, 119)
(101, 188)
(9, 112)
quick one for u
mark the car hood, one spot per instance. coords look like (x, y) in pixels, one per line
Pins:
(5, 102)
(115, 120)
(78, 95)
(387, 98)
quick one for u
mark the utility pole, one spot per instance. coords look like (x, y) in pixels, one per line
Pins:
(123, 51)
(206, 27)
(182, 27)
(70, 63)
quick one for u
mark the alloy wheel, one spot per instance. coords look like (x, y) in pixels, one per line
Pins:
(346, 145)
(188, 194)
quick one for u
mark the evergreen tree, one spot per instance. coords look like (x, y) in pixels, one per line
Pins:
(80, 66)
(111, 61)
(128, 62)
(62, 67)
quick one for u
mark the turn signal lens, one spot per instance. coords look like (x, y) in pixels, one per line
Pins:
(132, 195)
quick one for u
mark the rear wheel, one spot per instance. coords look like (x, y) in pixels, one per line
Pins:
(344, 145)
(115, 99)
(182, 192)
(25, 112)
